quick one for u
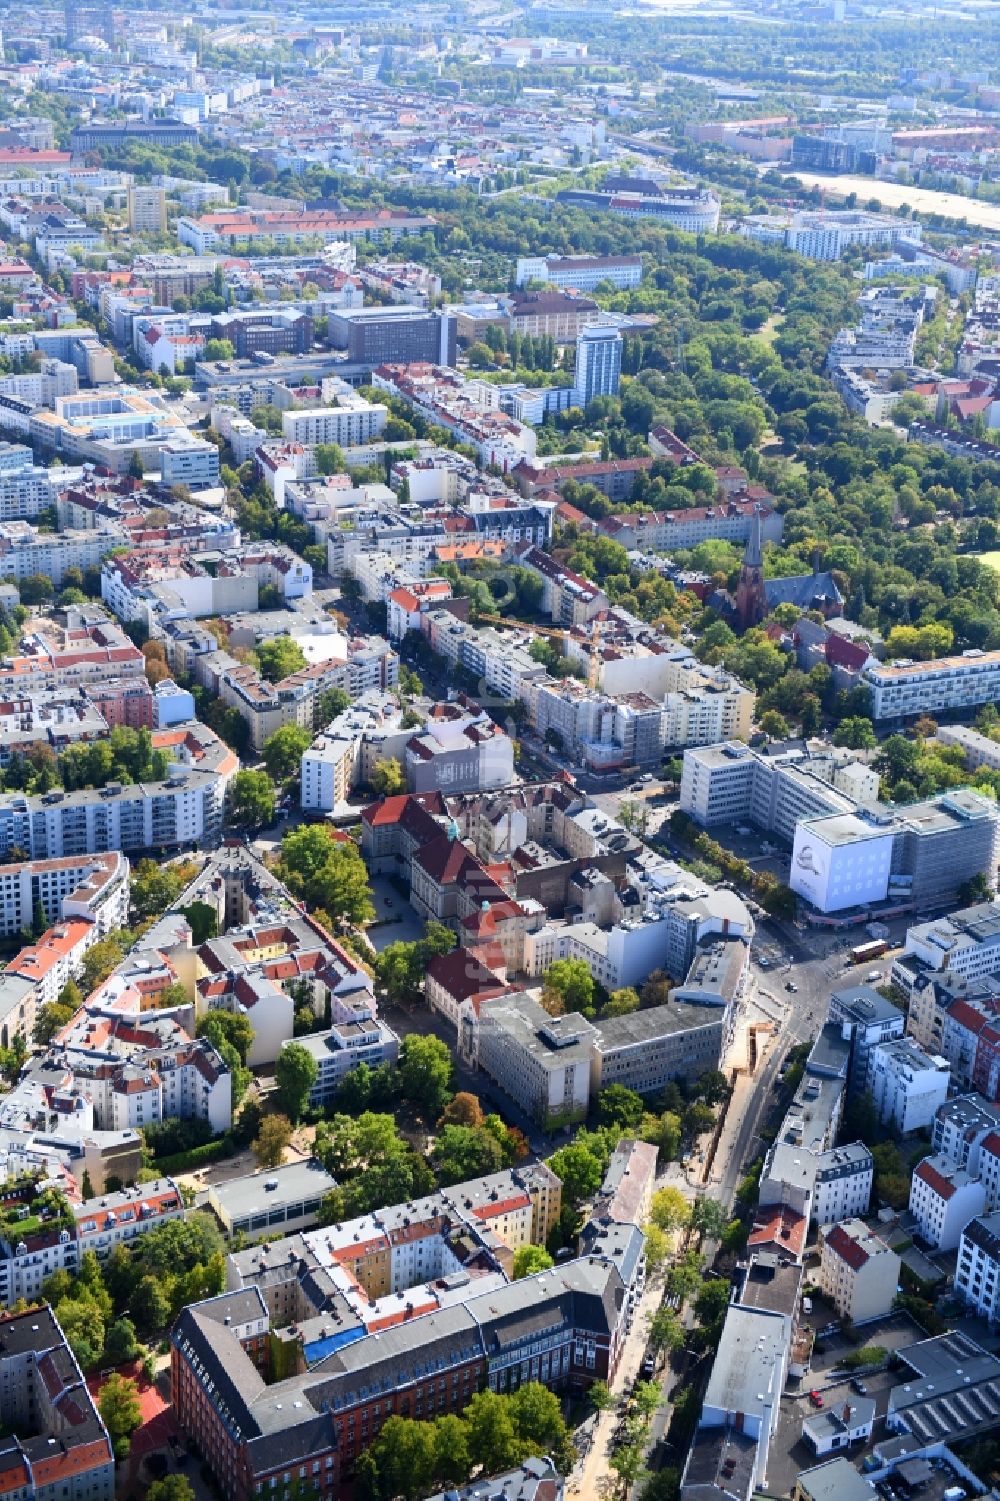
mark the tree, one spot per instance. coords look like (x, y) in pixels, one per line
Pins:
(36, 589)
(711, 1303)
(425, 1070)
(531, 1259)
(774, 725)
(271, 1140)
(669, 1209)
(136, 467)
(666, 1332)
(709, 1219)
(622, 1002)
(295, 1072)
(174, 1487)
(218, 349)
(154, 888)
(621, 1107)
(492, 1438)
(599, 1396)
(150, 1306)
(387, 778)
(227, 1027)
(568, 986)
(279, 657)
(251, 799)
(98, 962)
(579, 1171)
(120, 1409)
(121, 1343)
(326, 873)
(463, 1109)
(283, 751)
(330, 703)
(49, 1020)
(976, 889)
(463, 1152)
(452, 1465)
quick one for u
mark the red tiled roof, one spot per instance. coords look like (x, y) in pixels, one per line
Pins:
(937, 1182)
(847, 1248)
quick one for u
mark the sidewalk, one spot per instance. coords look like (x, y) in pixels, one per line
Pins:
(591, 1477)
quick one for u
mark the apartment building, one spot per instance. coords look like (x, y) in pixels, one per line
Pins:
(979, 749)
(460, 748)
(91, 887)
(117, 1219)
(901, 690)
(866, 1020)
(977, 1272)
(147, 210)
(59, 1445)
(824, 237)
(25, 488)
(25, 551)
(961, 1126)
(943, 1199)
(185, 809)
(344, 755)
(966, 943)
(342, 1048)
(857, 1271)
(349, 422)
(560, 315)
(729, 520)
(907, 1086)
(230, 226)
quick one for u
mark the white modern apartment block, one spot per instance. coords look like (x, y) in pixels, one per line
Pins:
(906, 1084)
(857, 1271)
(979, 749)
(348, 420)
(902, 689)
(25, 489)
(977, 1273)
(25, 551)
(344, 755)
(346, 1045)
(943, 1199)
(824, 236)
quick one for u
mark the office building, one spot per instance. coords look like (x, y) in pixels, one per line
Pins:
(397, 335)
(583, 273)
(692, 209)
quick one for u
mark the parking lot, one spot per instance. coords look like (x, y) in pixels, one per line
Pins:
(790, 1452)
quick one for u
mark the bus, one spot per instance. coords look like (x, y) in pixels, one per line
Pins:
(865, 952)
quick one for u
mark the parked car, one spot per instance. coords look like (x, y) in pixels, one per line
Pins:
(791, 987)
(648, 1366)
(816, 1399)
(857, 1385)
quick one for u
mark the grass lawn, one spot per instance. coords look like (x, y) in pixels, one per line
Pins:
(991, 559)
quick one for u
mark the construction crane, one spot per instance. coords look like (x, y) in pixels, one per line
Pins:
(594, 656)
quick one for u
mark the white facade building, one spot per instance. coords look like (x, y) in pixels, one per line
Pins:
(906, 1084)
(943, 1199)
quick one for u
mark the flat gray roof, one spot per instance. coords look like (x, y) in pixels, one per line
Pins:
(295, 1181)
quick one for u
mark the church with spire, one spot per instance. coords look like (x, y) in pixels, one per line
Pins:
(756, 596)
(751, 598)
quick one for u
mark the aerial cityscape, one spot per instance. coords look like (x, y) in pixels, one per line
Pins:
(500, 751)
